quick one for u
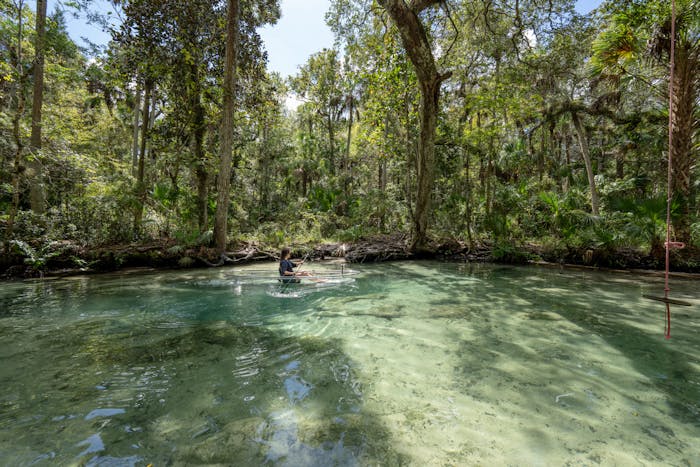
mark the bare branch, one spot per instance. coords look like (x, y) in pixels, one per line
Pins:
(446, 8)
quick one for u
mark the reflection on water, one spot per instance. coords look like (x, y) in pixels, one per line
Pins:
(417, 363)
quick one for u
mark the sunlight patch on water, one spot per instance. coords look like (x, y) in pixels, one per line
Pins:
(415, 363)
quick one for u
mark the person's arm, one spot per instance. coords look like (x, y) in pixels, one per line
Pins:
(288, 265)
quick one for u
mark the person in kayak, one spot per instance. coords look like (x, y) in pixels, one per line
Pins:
(287, 268)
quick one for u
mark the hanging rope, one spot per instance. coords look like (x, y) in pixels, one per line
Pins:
(669, 192)
(670, 168)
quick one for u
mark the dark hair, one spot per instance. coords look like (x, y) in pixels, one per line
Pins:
(285, 252)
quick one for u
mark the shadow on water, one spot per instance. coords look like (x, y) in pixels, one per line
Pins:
(567, 360)
(99, 392)
(599, 310)
(665, 368)
(595, 304)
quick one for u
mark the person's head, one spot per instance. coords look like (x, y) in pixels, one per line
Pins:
(285, 253)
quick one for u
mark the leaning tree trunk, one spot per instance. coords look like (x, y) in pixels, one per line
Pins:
(683, 125)
(37, 190)
(419, 50)
(224, 182)
(583, 142)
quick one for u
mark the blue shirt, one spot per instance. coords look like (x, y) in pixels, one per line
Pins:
(286, 266)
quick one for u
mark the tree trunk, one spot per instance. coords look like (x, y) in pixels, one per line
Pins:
(567, 155)
(426, 162)
(348, 139)
(410, 154)
(331, 143)
(468, 199)
(419, 51)
(541, 155)
(488, 202)
(264, 163)
(683, 125)
(620, 164)
(224, 181)
(16, 131)
(153, 113)
(140, 176)
(583, 142)
(37, 190)
(382, 179)
(135, 134)
(202, 177)
(198, 130)
(381, 182)
(345, 166)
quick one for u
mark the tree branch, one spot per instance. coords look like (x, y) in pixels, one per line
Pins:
(413, 37)
(443, 76)
(419, 5)
(446, 8)
(554, 112)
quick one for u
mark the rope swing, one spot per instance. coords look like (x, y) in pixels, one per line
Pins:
(669, 244)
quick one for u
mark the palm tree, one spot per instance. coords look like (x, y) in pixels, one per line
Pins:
(639, 33)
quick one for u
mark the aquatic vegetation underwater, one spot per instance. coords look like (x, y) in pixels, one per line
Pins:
(416, 363)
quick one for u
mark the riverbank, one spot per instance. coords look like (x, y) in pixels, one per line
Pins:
(66, 258)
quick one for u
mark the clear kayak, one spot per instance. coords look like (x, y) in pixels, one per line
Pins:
(313, 276)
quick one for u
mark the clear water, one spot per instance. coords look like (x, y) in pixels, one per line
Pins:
(415, 363)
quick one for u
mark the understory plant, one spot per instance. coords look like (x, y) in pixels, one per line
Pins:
(37, 258)
(644, 219)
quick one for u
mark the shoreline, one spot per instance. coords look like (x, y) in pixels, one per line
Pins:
(167, 255)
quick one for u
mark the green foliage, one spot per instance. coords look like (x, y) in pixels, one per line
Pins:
(645, 219)
(352, 234)
(342, 166)
(615, 48)
(37, 258)
(695, 229)
(165, 195)
(506, 252)
(186, 236)
(205, 239)
(323, 199)
(271, 234)
(567, 216)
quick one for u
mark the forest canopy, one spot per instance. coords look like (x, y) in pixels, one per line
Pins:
(499, 123)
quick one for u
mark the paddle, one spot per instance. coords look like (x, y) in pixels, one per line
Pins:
(312, 279)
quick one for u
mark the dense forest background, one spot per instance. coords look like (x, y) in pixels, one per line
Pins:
(517, 125)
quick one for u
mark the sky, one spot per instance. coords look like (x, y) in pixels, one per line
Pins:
(300, 32)
(79, 27)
